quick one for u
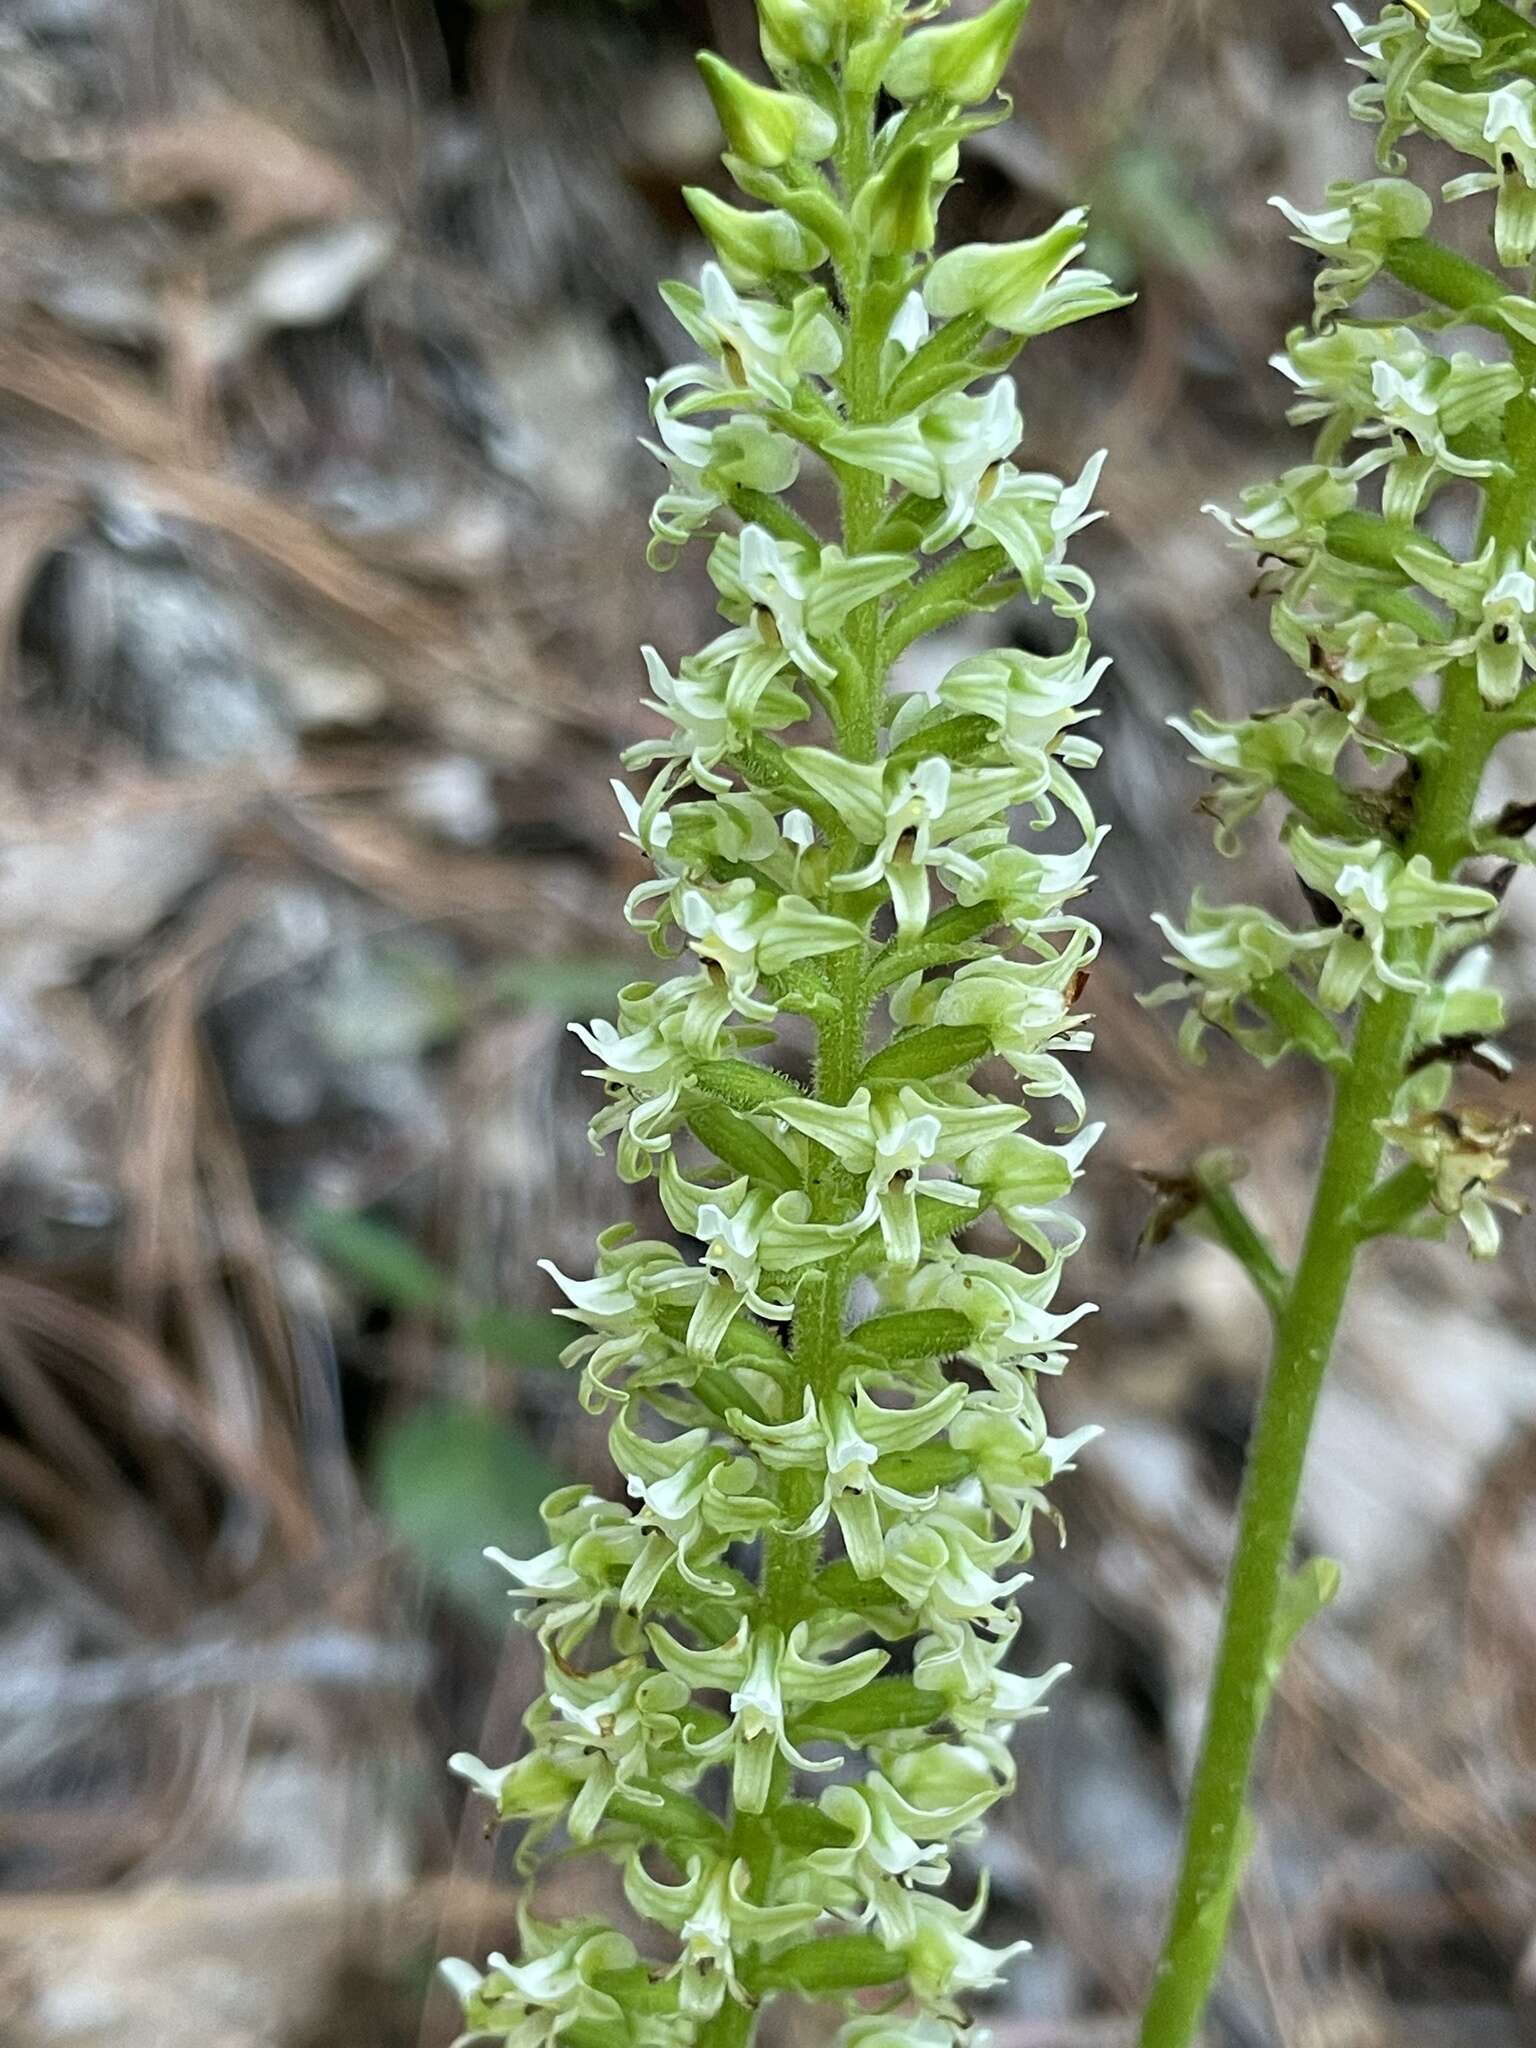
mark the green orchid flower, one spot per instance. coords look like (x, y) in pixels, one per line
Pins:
(755, 247)
(966, 1671)
(719, 701)
(901, 1820)
(1226, 955)
(910, 816)
(842, 1441)
(715, 1920)
(1375, 893)
(757, 351)
(1024, 1008)
(1354, 231)
(1465, 1156)
(962, 63)
(808, 600)
(1032, 517)
(1494, 594)
(944, 1963)
(1401, 48)
(1024, 288)
(1250, 755)
(1499, 127)
(1290, 517)
(556, 1989)
(1030, 700)
(764, 127)
(945, 453)
(607, 1733)
(705, 465)
(769, 1677)
(888, 1138)
(1381, 381)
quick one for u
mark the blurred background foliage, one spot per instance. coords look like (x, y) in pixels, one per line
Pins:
(323, 335)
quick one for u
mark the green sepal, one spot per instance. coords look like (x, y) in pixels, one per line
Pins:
(924, 1055)
(961, 62)
(803, 1827)
(741, 1084)
(946, 939)
(742, 1147)
(911, 1336)
(762, 126)
(832, 1962)
(883, 1705)
(958, 739)
(1394, 1203)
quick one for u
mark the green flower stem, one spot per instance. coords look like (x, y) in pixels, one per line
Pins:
(1439, 273)
(1232, 1226)
(1305, 1330)
(1394, 1202)
(790, 1562)
(729, 2027)
(773, 514)
(1216, 1829)
(1319, 799)
(949, 593)
(1287, 1004)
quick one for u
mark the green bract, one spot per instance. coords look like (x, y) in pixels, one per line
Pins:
(811, 1488)
(1415, 662)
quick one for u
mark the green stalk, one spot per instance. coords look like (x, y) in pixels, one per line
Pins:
(790, 1562)
(1231, 1225)
(729, 2027)
(1217, 1827)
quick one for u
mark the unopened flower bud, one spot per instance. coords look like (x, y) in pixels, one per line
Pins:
(754, 247)
(1020, 286)
(898, 209)
(532, 1787)
(798, 31)
(963, 62)
(765, 127)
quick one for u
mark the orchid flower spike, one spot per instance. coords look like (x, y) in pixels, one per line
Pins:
(828, 1443)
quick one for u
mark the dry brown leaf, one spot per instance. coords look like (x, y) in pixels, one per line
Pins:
(262, 179)
(100, 1354)
(74, 386)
